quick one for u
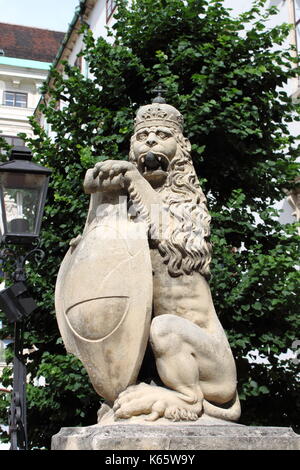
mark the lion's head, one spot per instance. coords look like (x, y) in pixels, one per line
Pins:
(162, 155)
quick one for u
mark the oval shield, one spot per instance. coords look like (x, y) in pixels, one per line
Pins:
(104, 303)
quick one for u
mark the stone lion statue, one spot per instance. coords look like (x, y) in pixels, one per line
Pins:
(175, 353)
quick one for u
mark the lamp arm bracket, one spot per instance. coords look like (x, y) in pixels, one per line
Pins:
(20, 272)
(19, 275)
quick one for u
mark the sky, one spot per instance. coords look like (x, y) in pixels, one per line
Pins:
(47, 14)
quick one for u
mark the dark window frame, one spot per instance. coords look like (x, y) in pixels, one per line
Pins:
(110, 8)
(15, 93)
(297, 23)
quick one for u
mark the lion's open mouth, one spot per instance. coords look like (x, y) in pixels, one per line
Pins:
(153, 163)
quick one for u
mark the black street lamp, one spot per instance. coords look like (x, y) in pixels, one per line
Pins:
(23, 189)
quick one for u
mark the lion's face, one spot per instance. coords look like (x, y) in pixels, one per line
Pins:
(162, 156)
(153, 148)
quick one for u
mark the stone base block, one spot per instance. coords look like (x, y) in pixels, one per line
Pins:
(175, 437)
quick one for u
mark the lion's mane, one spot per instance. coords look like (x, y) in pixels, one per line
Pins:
(184, 245)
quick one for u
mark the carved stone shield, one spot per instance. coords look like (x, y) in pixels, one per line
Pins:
(104, 301)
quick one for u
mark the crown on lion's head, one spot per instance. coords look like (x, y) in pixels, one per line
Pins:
(156, 114)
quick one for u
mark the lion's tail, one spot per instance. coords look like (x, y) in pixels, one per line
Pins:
(232, 413)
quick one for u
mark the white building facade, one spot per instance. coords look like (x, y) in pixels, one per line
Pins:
(20, 82)
(26, 55)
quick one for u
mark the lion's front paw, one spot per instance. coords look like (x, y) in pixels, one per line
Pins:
(110, 174)
(111, 168)
(107, 176)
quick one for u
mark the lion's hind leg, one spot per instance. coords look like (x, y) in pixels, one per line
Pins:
(191, 361)
(191, 366)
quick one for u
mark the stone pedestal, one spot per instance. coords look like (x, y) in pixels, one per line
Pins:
(176, 437)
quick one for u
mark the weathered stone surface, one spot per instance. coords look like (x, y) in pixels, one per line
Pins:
(176, 437)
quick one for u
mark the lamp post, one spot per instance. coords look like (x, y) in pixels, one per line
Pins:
(23, 190)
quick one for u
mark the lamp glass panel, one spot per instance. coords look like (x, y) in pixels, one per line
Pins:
(22, 196)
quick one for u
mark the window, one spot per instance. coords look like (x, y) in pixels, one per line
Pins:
(110, 7)
(11, 140)
(12, 98)
(78, 62)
